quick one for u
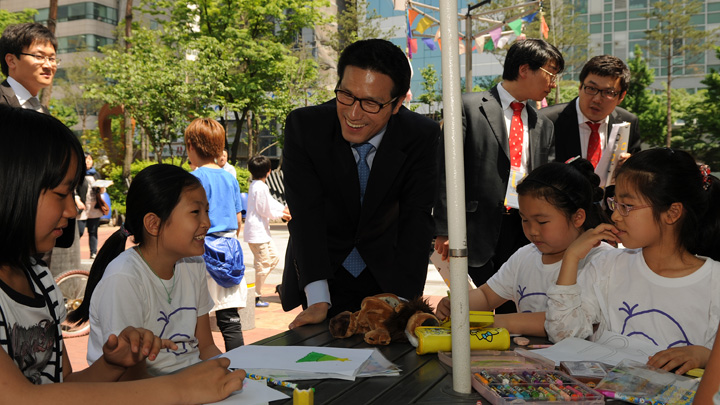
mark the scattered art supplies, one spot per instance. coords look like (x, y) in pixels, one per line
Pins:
(310, 363)
(638, 383)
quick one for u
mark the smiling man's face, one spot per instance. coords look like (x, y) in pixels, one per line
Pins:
(27, 71)
(358, 125)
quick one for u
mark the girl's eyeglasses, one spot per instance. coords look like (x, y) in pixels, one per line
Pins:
(621, 208)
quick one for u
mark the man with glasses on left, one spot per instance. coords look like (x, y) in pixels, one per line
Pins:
(29, 61)
(28, 58)
(360, 181)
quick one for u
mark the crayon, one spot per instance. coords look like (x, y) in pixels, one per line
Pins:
(273, 381)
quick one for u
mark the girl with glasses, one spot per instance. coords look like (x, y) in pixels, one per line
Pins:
(558, 202)
(663, 287)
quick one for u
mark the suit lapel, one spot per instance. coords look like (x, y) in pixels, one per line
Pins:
(385, 168)
(613, 118)
(570, 130)
(492, 110)
(8, 95)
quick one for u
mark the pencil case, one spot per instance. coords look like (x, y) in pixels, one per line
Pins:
(432, 339)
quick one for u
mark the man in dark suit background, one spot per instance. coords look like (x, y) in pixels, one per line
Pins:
(494, 229)
(347, 242)
(29, 61)
(604, 81)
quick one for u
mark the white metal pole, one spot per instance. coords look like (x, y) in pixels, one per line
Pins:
(455, 179)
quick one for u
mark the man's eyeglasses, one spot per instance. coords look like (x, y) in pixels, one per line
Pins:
(369, 106)
(41, 59)
(553, 76)
(623, 209)
(607, 93)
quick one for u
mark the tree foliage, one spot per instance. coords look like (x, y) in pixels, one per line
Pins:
(642, 102)
(701, 132)
(212, 58)
(676, 42)
(8, 18)
(431, 95)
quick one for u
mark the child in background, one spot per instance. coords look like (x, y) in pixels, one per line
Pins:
(41, 163)
(666, 212)
(260, 210)
(204, 140)
(557, 204)
(160, 283)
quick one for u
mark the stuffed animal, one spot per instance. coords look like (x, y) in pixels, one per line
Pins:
(384, 318)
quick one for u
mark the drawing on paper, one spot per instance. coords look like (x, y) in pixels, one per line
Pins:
(315, 356)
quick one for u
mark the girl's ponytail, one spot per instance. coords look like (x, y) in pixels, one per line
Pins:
(112, 247)
(709, 240)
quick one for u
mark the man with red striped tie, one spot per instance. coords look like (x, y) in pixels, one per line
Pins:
(583, 126)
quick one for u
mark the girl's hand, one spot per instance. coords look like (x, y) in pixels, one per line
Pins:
(208, 381)
(590, 239)
(443, 309)
(681, 358)
(134, 345)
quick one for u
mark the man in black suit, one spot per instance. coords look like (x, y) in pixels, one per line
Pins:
(28, 59)
(354, 235)
(494, 229)
(604, 81)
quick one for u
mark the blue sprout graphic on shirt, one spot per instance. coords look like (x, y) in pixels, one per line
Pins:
(521, 292)
(184, 342)
(661, 318)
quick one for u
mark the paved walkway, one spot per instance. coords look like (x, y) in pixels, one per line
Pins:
(268, 321)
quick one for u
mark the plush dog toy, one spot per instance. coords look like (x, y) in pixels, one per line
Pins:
(384, 318)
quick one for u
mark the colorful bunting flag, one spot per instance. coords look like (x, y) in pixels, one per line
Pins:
(480, 42)
(423, 24)
(529, 18)
(489, 46)
(495, 35)
(503, 41)
(516, 26)
(400, 5)
(413, 45)
(429, 43)
(412, 13)
(543, 26)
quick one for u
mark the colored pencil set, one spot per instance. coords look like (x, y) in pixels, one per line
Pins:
(533, 386)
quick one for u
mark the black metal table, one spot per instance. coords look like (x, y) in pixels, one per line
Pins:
(424, 379)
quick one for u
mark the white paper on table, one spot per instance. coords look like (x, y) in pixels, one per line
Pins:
(610, 348)
(284, 359)
(253, 393)
(443, 267)
(617, 144)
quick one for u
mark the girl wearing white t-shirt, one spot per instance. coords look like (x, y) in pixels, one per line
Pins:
(664, 287)
(160, 284)
(557, 203)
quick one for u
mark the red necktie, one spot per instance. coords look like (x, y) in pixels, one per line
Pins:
(593, 152)
(516, 134)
